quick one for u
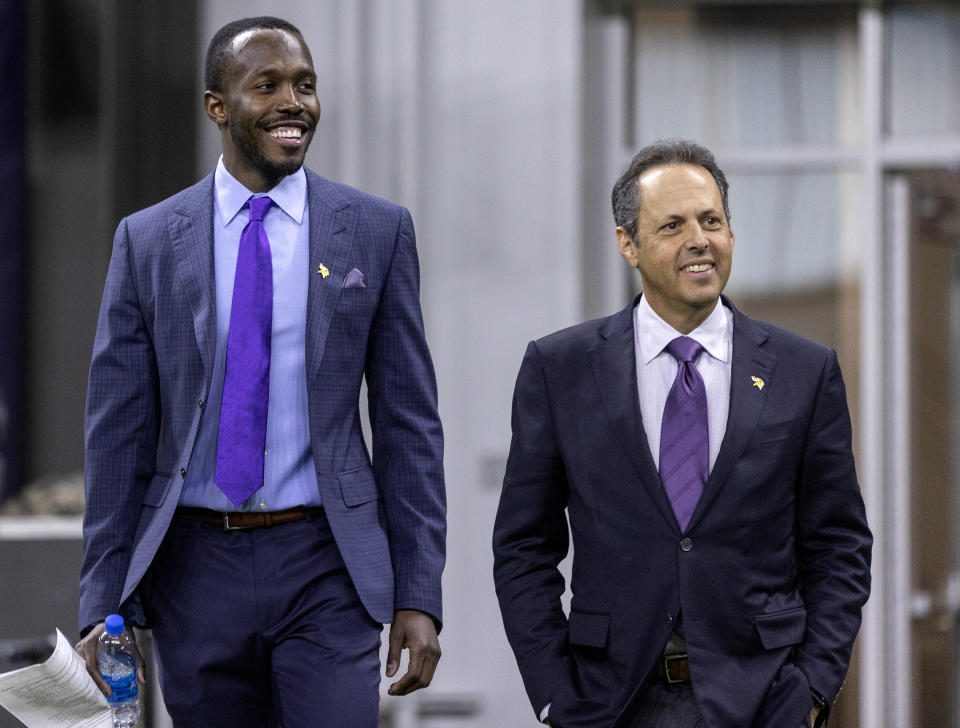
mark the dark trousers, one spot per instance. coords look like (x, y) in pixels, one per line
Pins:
(261, 627)
(660, 705)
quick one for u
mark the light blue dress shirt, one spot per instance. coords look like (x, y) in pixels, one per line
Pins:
(288, 471)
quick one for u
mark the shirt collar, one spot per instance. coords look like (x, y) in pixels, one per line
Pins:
(653, 333)
(290, 194)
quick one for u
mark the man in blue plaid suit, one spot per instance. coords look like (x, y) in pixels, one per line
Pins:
(267, 611)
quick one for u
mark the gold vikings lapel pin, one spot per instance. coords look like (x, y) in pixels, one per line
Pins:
(757, 382)
(322, 271)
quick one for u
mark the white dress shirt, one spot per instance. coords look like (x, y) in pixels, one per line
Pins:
(657, 368)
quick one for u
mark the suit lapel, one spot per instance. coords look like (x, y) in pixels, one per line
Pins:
(615, 368)
(332, 227)
(191, 238)
(750, 359)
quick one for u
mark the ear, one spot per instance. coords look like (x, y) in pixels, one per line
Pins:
(628, 249)
(216, 107)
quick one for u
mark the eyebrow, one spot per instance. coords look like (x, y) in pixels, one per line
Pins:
(672, 216)
(273, 72)
(276, 70)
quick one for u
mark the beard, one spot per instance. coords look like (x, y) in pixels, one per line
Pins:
(247, 146)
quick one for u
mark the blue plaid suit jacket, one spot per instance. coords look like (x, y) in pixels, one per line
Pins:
(151, 372)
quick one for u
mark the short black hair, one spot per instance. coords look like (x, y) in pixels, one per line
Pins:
(626, 193)
(216, 62)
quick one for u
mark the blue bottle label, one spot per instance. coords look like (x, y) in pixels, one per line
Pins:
(120, 673)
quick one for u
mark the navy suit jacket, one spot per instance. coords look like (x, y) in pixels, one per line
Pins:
(151, 373)
(770, 575)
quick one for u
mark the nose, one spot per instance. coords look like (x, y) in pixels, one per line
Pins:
(698, 238)
(290, 102)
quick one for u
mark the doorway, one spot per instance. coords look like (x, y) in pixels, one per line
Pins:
(933, 392)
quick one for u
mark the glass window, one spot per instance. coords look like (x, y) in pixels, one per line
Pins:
(923, 58)
(734, 77)
(792, 230)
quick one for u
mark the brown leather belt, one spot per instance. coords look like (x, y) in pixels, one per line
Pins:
(675, 669)
(242, 520)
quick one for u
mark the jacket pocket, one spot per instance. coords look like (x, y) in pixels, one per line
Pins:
(358, 486)
(768, 432)
(157, 490)
(588, 630)
(781, 629)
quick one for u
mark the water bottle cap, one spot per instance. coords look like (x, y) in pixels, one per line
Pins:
(114, 624)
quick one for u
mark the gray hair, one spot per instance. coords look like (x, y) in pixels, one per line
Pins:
(626, 191)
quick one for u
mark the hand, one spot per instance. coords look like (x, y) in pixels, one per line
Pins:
(415, 631)
(87, 649)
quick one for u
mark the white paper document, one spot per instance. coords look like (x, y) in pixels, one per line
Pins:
(57, 693)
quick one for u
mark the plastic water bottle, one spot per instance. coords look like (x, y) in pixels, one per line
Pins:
(118, 665)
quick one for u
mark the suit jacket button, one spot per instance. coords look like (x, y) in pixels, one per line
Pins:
(200, 403)
(686, 544)
(183, 472)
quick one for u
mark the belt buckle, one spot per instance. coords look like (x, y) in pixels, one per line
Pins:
(228, 527)
(667, 661)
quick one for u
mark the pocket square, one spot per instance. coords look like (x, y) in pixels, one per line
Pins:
(354, 279)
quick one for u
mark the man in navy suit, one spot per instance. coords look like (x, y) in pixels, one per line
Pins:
(737, 605)
(266, 608)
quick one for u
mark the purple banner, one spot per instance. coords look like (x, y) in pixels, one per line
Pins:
(12, 243)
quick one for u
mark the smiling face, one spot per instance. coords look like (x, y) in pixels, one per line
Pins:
(684, 245)
(268, 109)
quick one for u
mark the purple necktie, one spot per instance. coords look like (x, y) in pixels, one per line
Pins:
(684, 440)
(246, 383)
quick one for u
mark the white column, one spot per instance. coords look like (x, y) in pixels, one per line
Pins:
(876, 669)
(606, 154)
